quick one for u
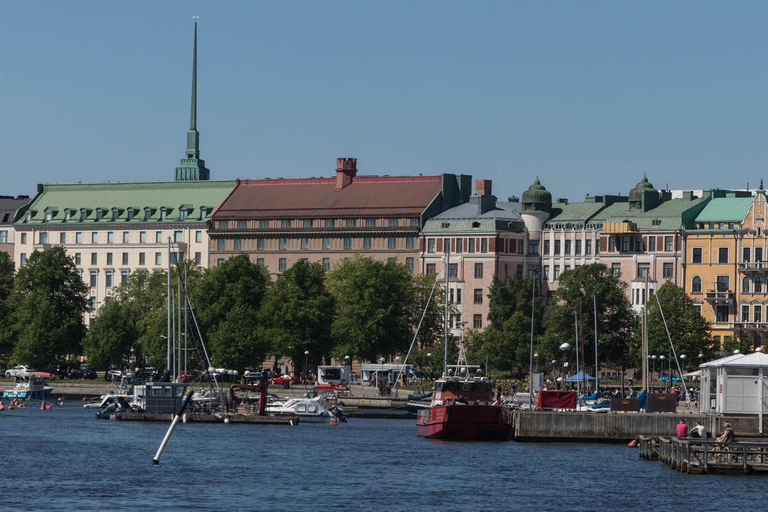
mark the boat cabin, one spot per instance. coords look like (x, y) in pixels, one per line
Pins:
(160, 397)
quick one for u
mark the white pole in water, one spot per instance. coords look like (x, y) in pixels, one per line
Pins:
(187, 397)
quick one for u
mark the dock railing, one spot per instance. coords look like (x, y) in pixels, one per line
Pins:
(691, 455)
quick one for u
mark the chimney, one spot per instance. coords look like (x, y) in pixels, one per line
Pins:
(483, 187)
(346, 169)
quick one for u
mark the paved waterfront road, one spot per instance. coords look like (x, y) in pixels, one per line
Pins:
(64, 459)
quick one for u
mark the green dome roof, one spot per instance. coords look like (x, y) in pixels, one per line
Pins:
(636, 194)
(537, 196)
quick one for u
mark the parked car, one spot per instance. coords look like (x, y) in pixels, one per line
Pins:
(284, 378)
(18, 371)
(82, 375)
(116, 374)
(57, 371)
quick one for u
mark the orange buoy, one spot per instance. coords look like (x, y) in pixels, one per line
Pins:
(633, 443)
(10, 407)
(2, 407)
(48, 407)
(85, 399)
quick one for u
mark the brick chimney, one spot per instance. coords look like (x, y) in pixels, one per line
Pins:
(346, 169)
(483, 187)
(483, 199)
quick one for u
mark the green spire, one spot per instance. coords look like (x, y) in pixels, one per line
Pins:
(191, 167)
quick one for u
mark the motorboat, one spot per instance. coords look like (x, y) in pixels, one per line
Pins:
(29, 386)
(313, 410)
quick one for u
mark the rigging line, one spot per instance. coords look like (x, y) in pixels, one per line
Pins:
(415, 335)
(200, 334)
(674, 354)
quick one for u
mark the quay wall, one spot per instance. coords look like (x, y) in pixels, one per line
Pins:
(588, 426)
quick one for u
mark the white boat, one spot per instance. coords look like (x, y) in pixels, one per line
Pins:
(313, 410)
(28, 386)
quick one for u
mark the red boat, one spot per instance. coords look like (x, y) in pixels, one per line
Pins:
(463, 408)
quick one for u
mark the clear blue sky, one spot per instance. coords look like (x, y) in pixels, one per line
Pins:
(586, 95)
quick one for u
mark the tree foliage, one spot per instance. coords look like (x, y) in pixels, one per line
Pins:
(579, 289)
(297, 313)
(49, 300)
(373, 312)
(7, 275)
(111, 336)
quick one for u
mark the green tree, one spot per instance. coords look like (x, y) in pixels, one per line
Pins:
(297, 313)
(689, 330)
(432, 327)
(111, 336)
(227, 300)
(374, 305)
(49, 301)
(7, 275)
(578, 291)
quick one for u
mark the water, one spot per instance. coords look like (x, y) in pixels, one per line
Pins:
(64, 459)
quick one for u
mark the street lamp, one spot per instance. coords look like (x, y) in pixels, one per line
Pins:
(348, 363)
(429, 356)
(536, 356)
(653, 359)
(662, 358)
(306, 366)
(682, 357)
(381, 375)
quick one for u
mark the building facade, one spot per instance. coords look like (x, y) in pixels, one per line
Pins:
(9, 205)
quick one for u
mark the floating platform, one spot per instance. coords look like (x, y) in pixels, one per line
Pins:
(706, 455)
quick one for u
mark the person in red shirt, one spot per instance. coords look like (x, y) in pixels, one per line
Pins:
(682, 429)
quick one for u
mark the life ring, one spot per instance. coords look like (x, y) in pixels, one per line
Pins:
(196, 407)
(465, 387)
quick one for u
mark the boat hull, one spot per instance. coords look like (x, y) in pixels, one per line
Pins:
(464, 422)
(27, 394)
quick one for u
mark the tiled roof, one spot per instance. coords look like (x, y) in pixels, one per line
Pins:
(463, 218)
(573, 212)
(725, 209)
(672, 214)
(8, 207)
(365, 196)
(104, 198)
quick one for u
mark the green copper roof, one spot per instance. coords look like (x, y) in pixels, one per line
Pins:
(725, 209)
(672, 214)
(124, 203)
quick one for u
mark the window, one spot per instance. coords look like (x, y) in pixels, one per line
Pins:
(94, 258)
(282, 264)
(327, 263)
(367, 242)
(724, 283)
(350, 223)
(393, 223)
(639, 244)
(126, 237)
(326, 244)
(93, 304)
(283, 244)
(410, 242)
(478, 295)
(533, 247)
(611, 244)
(558, 246)
(305, 244)
(391, 242)
(430, 245)
(203, 212)
(143, 237)
(223, 224)
(347, 244)
(459, 245)
(23, 258)
(758, 284)
(125, 258)
(77, 258)
(696, 255)
(263, 224)
(478, 270)
(758, 314)
(745, 313)
(83, 215)
(666, 271)
(238, 244)
(94, 276)
(721, 313)
(242, 224)
(458, 295)
(178, 236)
(578, 248)
(651, 243)
(158, 237)
(625, 244)
(696, 284)
(414, 222)
(370, 223)
(587, 246)
(477, 321)
(568, 247)
(259, 244)
(110, 237)
(163, 214)
(142, 259)
(260, 262)
(745, 254)
(78, 238)
(183, 214)
(198, 258)
(643, 270)
(722, 255)
(745, 285)
(329, 223)
(109, 258)
(4, 237)
(158, 258)
(285, 223)
(431, 269)
(124, 275)
(219, 262)
(198, 236)
(220, 244)
(94, 237)
(668, 244)
(557, 272)
(108, 276)
(547, 247)
(44, 237)
(616, 268)
(130, 214)
(471, 244)
(483, 245)
(409, 263)
(758, 254)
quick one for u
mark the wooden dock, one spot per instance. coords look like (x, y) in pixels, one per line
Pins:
(706, 455)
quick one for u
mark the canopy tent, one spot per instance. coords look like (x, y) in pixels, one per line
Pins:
(697, 373)
(579, 377)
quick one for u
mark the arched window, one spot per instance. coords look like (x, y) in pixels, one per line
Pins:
(696, 284)
(745, 285)
(758, 284)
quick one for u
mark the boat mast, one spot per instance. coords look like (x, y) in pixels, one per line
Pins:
(445, 320)
(168, 332)
(594, 306)
(186, 321)
(530, 363)
(578, 382)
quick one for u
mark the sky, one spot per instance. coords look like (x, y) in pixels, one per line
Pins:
(588, 96)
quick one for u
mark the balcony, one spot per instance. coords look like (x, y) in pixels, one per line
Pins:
(719, 297)
(753, 326)
(753, 267)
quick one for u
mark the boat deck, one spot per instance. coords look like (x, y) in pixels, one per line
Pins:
(706, 455)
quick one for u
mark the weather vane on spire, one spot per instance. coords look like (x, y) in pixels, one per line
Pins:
(195, 17)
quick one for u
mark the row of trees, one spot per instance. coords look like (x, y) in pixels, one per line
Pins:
(363, 308)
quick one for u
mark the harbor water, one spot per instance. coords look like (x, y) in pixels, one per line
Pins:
(64, 459)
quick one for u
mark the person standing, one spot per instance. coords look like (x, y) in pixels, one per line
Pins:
(682, 429)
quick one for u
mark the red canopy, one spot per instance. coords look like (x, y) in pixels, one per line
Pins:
(556, 400)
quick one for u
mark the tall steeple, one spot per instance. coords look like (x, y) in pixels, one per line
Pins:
(191, 167)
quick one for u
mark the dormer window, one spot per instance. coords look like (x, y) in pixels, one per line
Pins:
(28, 217)
(99, 214)
(83, 215)
(67, 215)
(476, 224)
(115, 214)
(203, 212)
(182, 214)
(131, 212)
(147, 213)
(163, 214)
(48, 216)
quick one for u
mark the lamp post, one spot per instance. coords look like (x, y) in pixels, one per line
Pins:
(661, 359)
(554, 362)
(682, 358)
(348, 363)
(565, 347)
(701, 358)
(536, 357)
(306, 367)
(429, 356)
(381, 375)
(653, 359)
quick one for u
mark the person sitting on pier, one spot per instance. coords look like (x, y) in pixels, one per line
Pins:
(727, 436)
(699, 431)
(682, 429)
